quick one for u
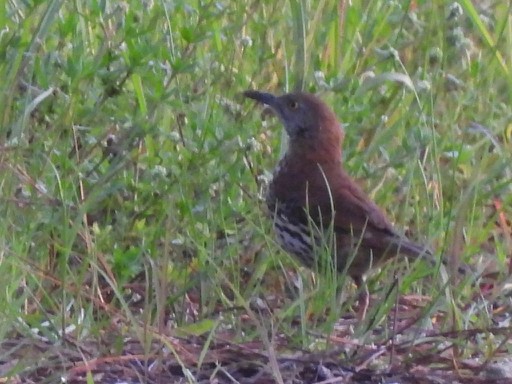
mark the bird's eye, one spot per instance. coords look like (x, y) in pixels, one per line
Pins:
(293, 104)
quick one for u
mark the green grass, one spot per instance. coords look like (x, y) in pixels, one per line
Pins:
(132, 171)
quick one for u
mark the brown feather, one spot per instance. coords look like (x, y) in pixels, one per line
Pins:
(311, 193)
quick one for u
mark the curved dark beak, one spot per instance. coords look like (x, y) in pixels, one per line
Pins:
(263, 97)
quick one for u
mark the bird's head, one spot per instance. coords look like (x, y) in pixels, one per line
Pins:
(308, 121)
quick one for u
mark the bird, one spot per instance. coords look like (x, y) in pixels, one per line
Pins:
(314, 202)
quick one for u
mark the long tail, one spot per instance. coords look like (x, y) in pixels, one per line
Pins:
(415, 250)
(409, 248)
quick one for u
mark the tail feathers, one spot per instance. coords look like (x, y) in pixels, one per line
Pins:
(409, 248)
(415, 250)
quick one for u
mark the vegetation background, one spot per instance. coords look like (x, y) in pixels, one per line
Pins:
(134, 243)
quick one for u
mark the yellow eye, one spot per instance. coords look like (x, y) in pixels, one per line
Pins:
(293, 104)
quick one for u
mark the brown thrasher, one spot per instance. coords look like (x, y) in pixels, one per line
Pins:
(311, 194)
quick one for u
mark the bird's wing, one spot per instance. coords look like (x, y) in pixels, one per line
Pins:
(329, 189)
(357, 215)
(353, 210)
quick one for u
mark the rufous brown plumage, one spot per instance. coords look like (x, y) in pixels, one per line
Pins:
(311, 195)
